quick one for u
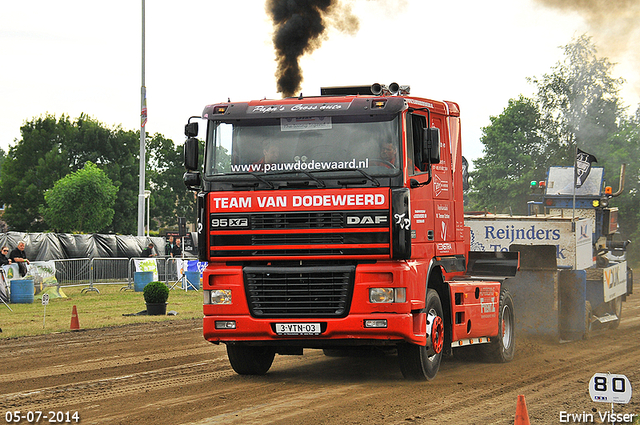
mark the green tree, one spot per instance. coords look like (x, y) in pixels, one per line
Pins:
(624, 147)
(116, 151)
(32, 166)
(581, 98)
(50, 149)
(513, 154)
(3, 224)
(169, 197)
(576, 104)
(81, 201)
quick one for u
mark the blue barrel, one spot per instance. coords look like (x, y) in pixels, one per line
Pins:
(193, 279)
(22, 291)
(140, 280)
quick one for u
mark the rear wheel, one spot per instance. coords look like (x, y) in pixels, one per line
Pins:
(616, 308)
(502, 347)
(588, 320)
(419, 362)
(250, 360)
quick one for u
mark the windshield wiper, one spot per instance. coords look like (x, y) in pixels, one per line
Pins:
(366, 175)
(306, 173)
(314, 178)
(370, 178)
(263, 180)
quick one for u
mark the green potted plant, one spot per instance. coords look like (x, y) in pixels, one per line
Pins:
(156, 295)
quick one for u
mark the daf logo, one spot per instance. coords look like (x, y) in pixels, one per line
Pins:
(366, 220)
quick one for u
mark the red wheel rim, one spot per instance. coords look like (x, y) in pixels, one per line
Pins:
(437, 334)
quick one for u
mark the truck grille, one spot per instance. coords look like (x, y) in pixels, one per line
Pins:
(289, 292)
(300, 234)
(297, 220)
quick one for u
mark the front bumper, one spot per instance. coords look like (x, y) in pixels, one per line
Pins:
(400, 327)
(405, 321)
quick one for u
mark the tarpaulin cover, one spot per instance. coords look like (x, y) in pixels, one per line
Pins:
(56, 246)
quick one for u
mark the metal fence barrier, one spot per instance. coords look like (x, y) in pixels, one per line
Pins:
(92, 272)
(73, 272)
(166, 268)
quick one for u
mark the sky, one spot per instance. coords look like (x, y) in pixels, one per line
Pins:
(78, 56)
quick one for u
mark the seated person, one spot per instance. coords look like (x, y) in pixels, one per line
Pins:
(270, 155)
(18, 255)
(4, 261)
(388, 156)
(389, 153)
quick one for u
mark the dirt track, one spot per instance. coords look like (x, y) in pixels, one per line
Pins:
(165, 373)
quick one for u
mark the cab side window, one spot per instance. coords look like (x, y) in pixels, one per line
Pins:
(415, 126)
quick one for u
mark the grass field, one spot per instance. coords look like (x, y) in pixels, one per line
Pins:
(95, 310)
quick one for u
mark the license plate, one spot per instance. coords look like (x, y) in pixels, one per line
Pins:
(298, 328)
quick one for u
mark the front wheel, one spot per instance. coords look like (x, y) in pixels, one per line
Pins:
(250, 360)
(502, 347)
(419, 362)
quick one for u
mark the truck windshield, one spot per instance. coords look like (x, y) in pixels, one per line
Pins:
(307, 144)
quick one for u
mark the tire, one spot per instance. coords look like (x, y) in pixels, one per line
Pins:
(250, 360)
(616, 308)
(588, 320)
(501, 349)
(420, 363)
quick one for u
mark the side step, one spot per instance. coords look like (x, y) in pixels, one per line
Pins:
(470, 341)
(605, 319)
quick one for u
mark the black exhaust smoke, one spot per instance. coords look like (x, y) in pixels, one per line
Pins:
(614, 23)
(299, 28)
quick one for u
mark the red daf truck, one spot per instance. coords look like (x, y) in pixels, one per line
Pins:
(336, 222)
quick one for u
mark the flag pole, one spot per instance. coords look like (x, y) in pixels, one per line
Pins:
(575, 181)
(143, 121)
(573, 218)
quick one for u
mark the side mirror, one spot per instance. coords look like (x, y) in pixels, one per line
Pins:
(431, 146)
(192, 180)
(191, 153)
(191, 129)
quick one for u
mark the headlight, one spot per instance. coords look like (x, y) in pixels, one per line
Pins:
(217, 296)
(387, 295)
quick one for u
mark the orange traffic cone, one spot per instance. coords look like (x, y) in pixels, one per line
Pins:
(522, 417)
(74, 319)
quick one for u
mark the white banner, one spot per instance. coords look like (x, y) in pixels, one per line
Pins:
(147, 265)
(43, 273)
(498, 233)
(190, 266)
(614, 281)
(11, 271)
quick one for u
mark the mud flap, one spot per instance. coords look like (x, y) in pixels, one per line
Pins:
(572, 293)
(535, 290)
